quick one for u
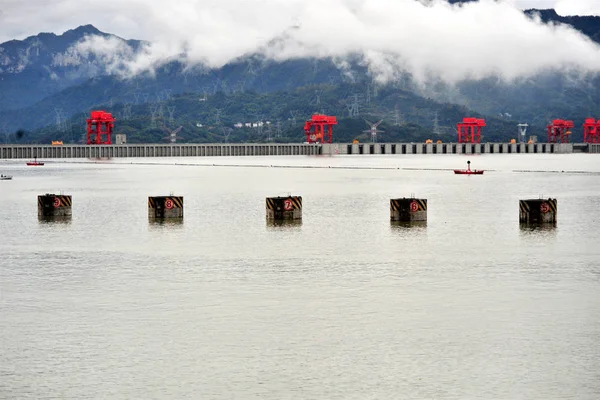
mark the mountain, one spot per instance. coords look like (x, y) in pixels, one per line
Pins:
(588, 25)
(46, 86)
(42, 65)
(280, 116)
(251, 73)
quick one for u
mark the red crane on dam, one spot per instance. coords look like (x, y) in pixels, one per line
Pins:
(591, 131)
(469, 130)
(323, 125)
(100, 128)
(559, 131)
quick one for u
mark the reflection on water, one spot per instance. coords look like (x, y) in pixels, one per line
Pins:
(44, 219)
(283, 224)
(402, 226)
(534, 229)
(160, 223)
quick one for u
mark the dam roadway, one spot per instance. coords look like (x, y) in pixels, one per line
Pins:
(31, 151)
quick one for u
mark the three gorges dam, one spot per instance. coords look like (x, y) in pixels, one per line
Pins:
(319, 141)
(40, 151)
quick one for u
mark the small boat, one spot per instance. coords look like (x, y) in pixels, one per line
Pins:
(468, 171)
(5, 177)
(35, 162)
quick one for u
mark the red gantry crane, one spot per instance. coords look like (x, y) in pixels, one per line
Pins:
(100, 128)
(323, 124)
(591, 131)
(559, 131)
(469, 131)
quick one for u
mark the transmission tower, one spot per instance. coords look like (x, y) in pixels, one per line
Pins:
(216, 85)
(373, 130)
(204, 95)
(374, 84)
(318, 94)
(353, 107)
(259, 124)
(522, 131)
(436, 125)
(167, 94)
(294, 114)
(161, 111)
(61, 121)
(136, 95)
(171, 114)
(58, 113)
(269, 133)
(126, 111)
(218, 112)
(153, 112)
(146, 96)
(172, 134)
(226, 131)
(250, 68)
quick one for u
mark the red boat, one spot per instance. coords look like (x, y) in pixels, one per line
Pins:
(35, 162)
(468, 171)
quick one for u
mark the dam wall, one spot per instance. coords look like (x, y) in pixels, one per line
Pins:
(156, 150)
(275, 149)
(447, 148)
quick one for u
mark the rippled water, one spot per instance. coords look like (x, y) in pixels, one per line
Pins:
(342, 306)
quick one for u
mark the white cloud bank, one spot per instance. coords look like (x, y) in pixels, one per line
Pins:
(451, 42)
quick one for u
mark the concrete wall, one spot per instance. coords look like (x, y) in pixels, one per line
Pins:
(271, 149)
(155, 150)
(447, 148)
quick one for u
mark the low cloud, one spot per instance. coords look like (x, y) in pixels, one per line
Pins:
(429, 39)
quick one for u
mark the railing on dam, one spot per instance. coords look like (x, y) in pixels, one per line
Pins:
(156, 150)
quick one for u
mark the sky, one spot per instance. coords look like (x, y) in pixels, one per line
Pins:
(19, 18)
(450, 42)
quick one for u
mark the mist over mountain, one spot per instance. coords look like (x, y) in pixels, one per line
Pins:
(45, 64)
(51, 80)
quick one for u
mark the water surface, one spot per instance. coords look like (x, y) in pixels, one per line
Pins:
(344, 305)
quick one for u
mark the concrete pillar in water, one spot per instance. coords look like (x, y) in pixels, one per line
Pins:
(284, 208)
(538, 211)
(54, 205)
(408, 210)
(165, 207)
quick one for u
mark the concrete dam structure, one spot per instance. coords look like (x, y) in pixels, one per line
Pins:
(156, 150)
(32, 151)
(449, 148)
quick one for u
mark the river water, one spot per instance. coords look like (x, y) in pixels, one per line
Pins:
(342, 306)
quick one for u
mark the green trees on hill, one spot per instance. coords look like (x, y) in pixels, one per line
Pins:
(248, 116)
